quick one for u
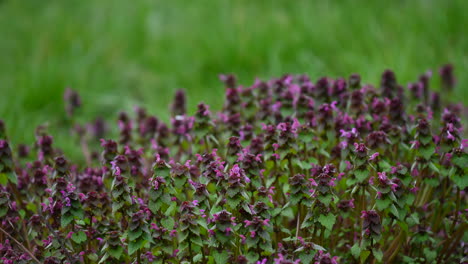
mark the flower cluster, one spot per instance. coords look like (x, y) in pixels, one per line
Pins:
(289, 170)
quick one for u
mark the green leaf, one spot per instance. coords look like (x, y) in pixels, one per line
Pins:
(171, 209)
(22, 213)
(197, 240)
(168, 223)
(135, 245)
(460, 180)
(78, 213)
(430, 254)
(154, 206)
(378, 254)
(434, 167)
(327, 220)
(356, 250)
(306, 258)
(66, 219)
(364, 255)
(221, 257)
(413, 219)
(410, 199)
(394, 211)
(3, 179)
(326, 200)
(318, 247)
(426, 152)
(252, 257)
(382, 204)
(404, 226)
(115, 252)
(79, 237)
(197, 257)
(31, 207)
(233, 202)
(132, 235)
(266, 247)
(361, 175)
(3, 211)
(425, 140)
(384, 165)
(12, 177)
(461, 161)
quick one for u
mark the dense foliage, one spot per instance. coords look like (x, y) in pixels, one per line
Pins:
(289, 171)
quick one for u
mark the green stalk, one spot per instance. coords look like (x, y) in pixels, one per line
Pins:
(298, 219)
(457, 208)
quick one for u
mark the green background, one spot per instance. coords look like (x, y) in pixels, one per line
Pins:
(119, 54)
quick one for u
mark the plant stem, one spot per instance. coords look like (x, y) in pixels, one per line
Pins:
(20, 245)
(298, 219)
(190, 250)
(457, 208)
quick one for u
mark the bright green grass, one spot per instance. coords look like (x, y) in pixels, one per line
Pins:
(122, 53)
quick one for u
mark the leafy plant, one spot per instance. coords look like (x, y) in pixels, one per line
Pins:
(288, 171)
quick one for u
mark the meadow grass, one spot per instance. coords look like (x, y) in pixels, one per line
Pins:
(118, 54)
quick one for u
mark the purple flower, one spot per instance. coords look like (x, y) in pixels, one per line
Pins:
(72, 101)
(371, 225)
(228, 79)
(374, 156)
(377, 139)
(179, 105)
(447, 77)
(388, 84)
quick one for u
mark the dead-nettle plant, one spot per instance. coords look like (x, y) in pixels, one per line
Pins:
(288, 171)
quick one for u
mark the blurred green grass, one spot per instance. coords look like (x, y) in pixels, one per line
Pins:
(118, 54)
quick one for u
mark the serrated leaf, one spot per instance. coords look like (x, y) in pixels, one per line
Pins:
(364, 255)
(413, 219)
(327, 220)
(382, 204)
(384, 165)
(378, 254)
(233, 203)
(220, 257)
(197, 241)
(79, 237)
(430, 254)
(252, 257)
(394, 211)
(318, 247)
(3, 211)
(460, 181)
(171, 209)
(132, 235)
(78, 213)
(12, 178)
(306, 258)
(461, 161)
(361, 175)
(197, 257)
(434, 167)
(426, 152)
(425, 140)
(326, 199)
(115, 252)
(3, 179)
(168, 223)
(133, 246)
(154, 206)
(356, 250)
(66, 219)
(266, 247)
